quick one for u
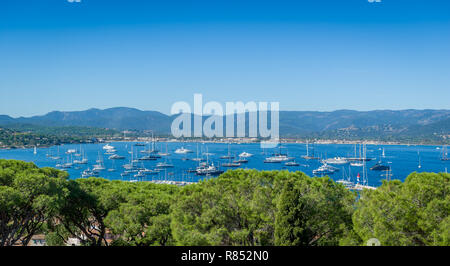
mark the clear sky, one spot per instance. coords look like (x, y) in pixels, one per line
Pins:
(308, 55)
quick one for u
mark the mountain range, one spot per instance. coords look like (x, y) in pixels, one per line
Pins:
(405, 125)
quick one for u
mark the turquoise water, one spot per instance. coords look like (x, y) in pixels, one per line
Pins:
(402, 159)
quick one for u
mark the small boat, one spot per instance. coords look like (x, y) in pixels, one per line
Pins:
(140, 174)
(99, 167)
(71, 151)
(89, 173)
(240, 160)
(150, 171)
(182, 150)
(227, 157)
(231, 164)
(108, 147)
(346, 183)
(164, 165)
(116, 157)
(82, 161)
(292, 163)
(149, 158)
(67, 165)
(111, 151)
(356, 164)
(380, 167)
(245, 155)
(139, 144)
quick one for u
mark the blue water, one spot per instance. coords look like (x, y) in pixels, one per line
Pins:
(402, 159)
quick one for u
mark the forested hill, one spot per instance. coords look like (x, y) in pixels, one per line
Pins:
(403, 125)
(22, 135)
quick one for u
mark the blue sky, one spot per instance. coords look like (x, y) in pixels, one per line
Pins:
(308, 55)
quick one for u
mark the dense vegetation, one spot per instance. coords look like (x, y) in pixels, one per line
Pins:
(19, 135)
(241, 207)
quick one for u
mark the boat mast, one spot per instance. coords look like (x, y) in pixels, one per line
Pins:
(307, 149)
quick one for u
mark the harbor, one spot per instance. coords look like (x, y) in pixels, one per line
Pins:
(356, 166)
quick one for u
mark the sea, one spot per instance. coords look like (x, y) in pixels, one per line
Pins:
(402, 159)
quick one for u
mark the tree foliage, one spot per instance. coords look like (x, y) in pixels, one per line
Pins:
(28, 198)
(240, 207)
(415, 212)
(312, 212)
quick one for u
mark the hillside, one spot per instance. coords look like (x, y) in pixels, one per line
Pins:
(402, 125)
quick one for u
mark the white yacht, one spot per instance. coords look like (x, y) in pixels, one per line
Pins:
(245, 155)
(208, 169)
(336, 160)
(116, 157)
(182, 150)
(325, 169)
(277, 158)
(70, 151)
(108, 147)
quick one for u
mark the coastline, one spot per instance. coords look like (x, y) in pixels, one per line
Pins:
(235, 141)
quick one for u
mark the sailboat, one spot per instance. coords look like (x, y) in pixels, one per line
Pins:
(231, 164)
(380, 166)
(291, 163)
(228, 156)
(57, 157)
(307, 157)
(445, 154)
(99, 166)
(68, 164)
(365, 179)
(164, 164)
(197, 158)
(78, 154)
(113, 168)
(345, 180)
(164, 153)
(35, 150)
(418, 155)
(151, 149)
(207, 169)
(356, 162)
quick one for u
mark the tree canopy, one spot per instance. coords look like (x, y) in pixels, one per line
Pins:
(240, 207)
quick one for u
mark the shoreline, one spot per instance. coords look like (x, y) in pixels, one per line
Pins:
(236, 141)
